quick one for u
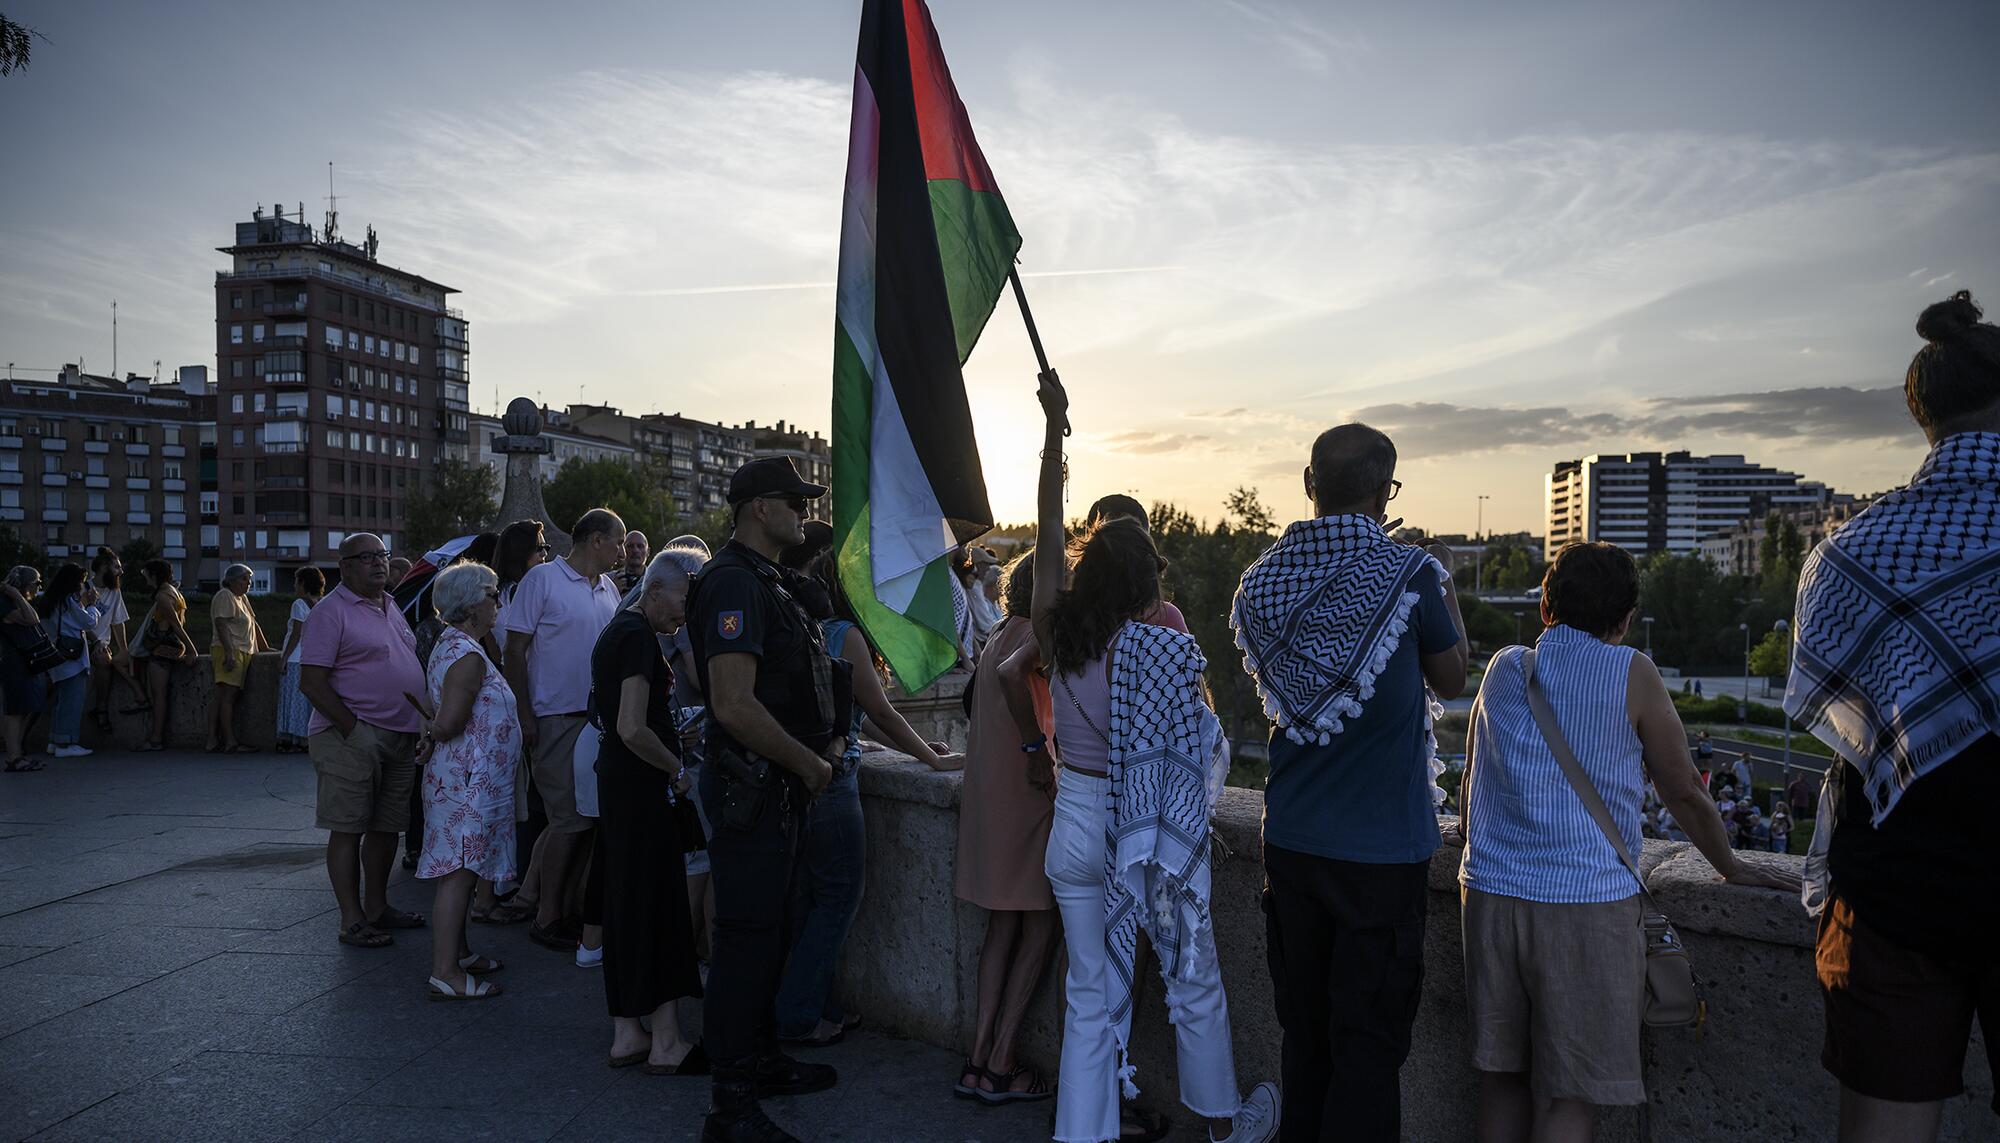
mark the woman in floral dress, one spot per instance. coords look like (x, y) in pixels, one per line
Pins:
(470, 754)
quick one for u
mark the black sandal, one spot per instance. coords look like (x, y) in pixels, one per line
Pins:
(1152, 1126)
(1038, 1088)
(101, 720)
(25, 765)
(963, 1090)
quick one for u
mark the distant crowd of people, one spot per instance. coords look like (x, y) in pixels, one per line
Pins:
(651, 759)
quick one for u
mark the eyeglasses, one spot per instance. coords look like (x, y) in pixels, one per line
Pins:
(1395, 488)
(798, 504)
(544, 549)
(375, 557)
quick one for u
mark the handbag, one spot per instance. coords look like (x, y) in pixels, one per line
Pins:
(31, 641)
(1673, 991)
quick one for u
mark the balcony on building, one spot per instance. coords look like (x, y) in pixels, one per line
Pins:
(276, 309)
(285, 553)
(281, 448)
(11, 476)
(173, 519)
(56, 515)
(138, 483)
(97, 482)
(97, 517)
(55, 444)
(10, 442)
(59, 551)
(138, 517)
(54, 480)
(173, 451)
(176, 553)
(15, 515)
(98, 448)
(281, 517)
(173, 485)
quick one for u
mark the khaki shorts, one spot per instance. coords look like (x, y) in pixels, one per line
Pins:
(365, 779)
(554, 766)
(1559, 992)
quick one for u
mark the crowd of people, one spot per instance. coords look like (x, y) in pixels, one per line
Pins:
(651, 760)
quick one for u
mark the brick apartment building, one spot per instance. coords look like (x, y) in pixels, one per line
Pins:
(340, 382)
(88, 461)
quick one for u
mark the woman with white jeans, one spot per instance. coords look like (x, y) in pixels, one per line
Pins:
(1118, 682)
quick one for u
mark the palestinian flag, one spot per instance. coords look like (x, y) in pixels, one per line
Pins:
(925, 248)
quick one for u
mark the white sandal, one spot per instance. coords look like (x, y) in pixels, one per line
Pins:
(475, 989)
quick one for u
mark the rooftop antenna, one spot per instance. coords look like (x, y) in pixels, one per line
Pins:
(332, 206)
(114, 338)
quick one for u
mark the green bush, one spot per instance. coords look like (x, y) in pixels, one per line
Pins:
(1723, 709)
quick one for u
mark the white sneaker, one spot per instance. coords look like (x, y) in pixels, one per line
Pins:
(70, 750)
(589, 958)
(1257, 1120)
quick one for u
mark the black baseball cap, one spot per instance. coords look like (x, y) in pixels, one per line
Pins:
(771, 476)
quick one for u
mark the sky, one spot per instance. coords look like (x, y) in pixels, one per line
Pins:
(1507, 235)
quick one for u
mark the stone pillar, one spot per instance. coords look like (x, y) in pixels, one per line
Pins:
(521, 498)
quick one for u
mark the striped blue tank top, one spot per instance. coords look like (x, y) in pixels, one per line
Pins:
(1529, 835)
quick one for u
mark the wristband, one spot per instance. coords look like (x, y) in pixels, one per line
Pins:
(1035, 747)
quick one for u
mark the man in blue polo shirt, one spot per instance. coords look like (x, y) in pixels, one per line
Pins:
(1342, 630)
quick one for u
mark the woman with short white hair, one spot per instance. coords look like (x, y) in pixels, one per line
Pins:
(470, 753)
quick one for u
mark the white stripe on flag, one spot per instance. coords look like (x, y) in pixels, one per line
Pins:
(907, 528)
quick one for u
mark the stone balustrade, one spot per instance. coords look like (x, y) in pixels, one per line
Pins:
(1751, 1074)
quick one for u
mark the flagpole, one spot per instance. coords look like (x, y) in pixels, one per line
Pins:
(1034, 336)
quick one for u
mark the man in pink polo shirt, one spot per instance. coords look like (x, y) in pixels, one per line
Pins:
(357, 659)
(551, 625)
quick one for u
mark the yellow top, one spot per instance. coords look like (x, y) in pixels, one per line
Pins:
(233, 621)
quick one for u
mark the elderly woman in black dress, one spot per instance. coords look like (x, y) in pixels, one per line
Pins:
(649, 960)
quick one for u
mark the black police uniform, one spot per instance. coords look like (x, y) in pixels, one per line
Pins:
(742, 605)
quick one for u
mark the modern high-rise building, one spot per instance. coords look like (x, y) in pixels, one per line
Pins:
(341, 381)
(1648, 502)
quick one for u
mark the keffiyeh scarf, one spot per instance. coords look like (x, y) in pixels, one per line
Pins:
(1318, 618)
(1167, 763)
(1897, 665)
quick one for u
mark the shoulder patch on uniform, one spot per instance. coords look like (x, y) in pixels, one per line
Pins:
(729, 624)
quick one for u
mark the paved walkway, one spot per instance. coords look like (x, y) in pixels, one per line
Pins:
(168, 970)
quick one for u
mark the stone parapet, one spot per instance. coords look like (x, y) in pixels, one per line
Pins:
(187, 714)
(1751, 1074)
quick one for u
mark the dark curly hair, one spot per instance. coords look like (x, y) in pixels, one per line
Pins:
(1957, 374)
(1591, 587)
(1116, 580)
(824, 570)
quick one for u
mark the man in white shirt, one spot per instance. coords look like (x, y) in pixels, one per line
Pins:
(551, 625)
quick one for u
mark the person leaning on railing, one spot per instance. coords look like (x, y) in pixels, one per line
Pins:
(1555, 967)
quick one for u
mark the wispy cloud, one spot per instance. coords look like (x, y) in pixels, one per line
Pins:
(1153, 442)
(1304, 42)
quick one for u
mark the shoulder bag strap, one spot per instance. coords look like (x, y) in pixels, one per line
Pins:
(1586, 791)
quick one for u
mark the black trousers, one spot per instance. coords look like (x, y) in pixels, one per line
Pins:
(1346, 946)
(753, 871)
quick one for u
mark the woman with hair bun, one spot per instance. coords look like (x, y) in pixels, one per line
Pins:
(1895, 668)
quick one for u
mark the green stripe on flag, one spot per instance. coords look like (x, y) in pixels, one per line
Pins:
(977, 243)
(921, 644)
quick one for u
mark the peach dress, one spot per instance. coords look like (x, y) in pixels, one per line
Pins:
(1003, 822)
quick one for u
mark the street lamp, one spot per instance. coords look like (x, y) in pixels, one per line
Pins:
(1649, 636)
(1785, 627)
(1479, 561)
(1743, 703)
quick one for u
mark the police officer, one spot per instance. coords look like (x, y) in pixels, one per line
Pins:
(770, 744)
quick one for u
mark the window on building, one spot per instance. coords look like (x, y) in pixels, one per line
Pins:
(96, 535)
(176, 502)
(260, 367)
(93, 466)
(236, 299)
(170, 434)
(10, 498)
(368, 344)
(136, 469)
(399, 351)
(333, 300)
(55, 500)
(136, 434)
(236, 436)
(170, 469)
(257, 332)
(257, 402)
(413, 356)
(176, 537)
(236, 335)
(236, 402)
(333, 336)
(51, 462)
(95, 502)
(333, 438)
(211, 503)
(367, 410)
(353, 340)
(137, 502)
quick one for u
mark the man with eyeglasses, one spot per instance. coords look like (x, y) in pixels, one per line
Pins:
(1343, 629)
(771, 738)
(551, 624)
(357, 659)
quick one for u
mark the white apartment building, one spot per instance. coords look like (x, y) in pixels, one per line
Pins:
(1648, 502)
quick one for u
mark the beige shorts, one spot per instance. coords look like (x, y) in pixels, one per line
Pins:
(365, 779)
(1559, 992)
(554, 766)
